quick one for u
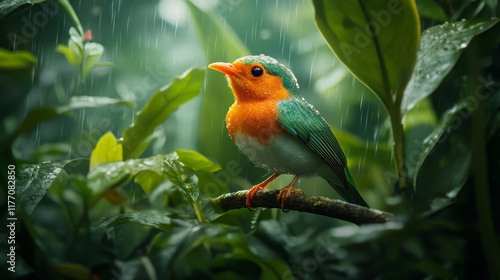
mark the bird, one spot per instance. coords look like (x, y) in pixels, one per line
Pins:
(278, 130)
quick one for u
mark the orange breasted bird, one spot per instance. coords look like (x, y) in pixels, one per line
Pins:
(272, 124)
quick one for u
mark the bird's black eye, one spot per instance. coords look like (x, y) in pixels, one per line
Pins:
(257, 71)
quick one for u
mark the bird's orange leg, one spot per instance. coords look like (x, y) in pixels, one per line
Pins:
(286, 191)
(262, 186)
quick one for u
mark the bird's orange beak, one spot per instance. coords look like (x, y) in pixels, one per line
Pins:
(226, 68)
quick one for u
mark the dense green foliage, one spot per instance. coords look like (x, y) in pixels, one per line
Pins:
(117, 163)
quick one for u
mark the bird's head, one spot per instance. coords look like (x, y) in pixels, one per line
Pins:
(258, 78)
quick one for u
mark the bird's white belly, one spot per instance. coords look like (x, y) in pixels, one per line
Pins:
(284, 154)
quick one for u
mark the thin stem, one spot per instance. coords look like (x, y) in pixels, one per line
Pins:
(399, 152)
(198, 212)
(480, 172)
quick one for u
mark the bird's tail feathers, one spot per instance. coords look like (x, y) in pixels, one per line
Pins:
(346, 188)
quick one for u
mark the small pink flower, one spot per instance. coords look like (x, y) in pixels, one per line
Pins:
(88, 36)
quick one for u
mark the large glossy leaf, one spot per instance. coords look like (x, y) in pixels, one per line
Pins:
(445, 164)
(376, 40)
(13, 6)
(16, 60)
(33, 181)
(443, 167)
(440, 48)
(220, 43)
(159, 107)
(107, 176)
(38, 115)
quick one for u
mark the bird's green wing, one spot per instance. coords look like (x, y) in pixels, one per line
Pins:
(299, 118)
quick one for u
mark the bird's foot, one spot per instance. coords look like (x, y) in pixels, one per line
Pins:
(252, 192)
(286, 192)
(262, 186)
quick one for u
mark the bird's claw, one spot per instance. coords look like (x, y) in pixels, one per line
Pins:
(262, 186)
(284, 194)
(252, 193)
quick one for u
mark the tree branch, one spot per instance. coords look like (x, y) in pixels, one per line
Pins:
(333, 208)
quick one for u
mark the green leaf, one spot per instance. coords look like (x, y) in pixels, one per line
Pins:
(36, 116)
(8, 7)
(419, 123)
(146, 218)
(79, 102)
(76, 37)
(440, 48)
(149, 180)
(16, 60)
(163, 103)
(106, 150)
(91, 54)
(376, 40)
(443, 167)
(108, 175)
(71, 13)
(67, 53)
(103, 64)
(33, 181)
(197, 162)
(74, 50)
(220, 43)
(128, 232)
(47, 151)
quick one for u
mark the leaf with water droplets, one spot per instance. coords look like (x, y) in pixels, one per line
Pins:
(146, 218)
(33, 181)
(440, 48)
(109, 175)
(15, 6)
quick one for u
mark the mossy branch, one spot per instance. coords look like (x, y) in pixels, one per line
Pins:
(333, 208)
